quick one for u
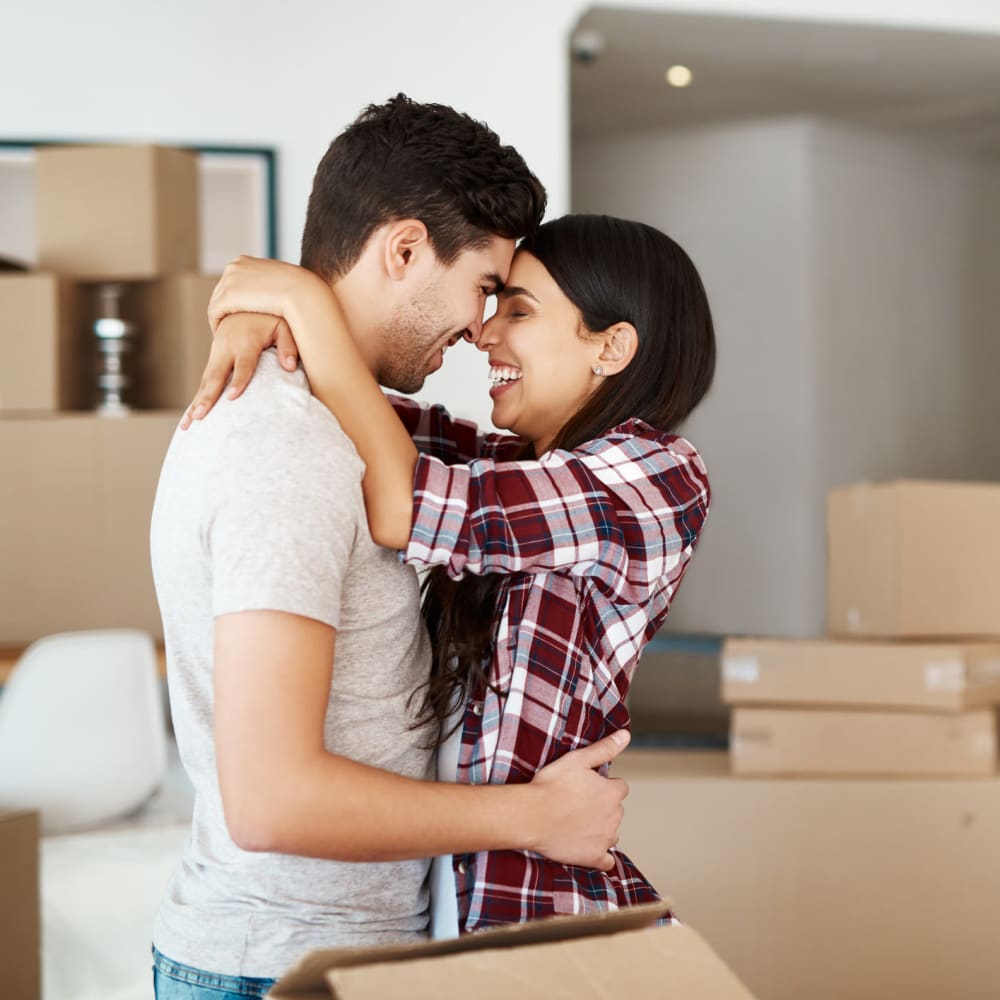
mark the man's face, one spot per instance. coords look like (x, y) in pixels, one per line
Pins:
(448, 302)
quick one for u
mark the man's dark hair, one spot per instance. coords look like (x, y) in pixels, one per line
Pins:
(403, 160)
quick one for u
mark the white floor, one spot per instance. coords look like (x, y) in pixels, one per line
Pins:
(99, 894)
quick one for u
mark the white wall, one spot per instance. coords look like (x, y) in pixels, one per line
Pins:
(852, 277)
(908, 258)
(292, 74)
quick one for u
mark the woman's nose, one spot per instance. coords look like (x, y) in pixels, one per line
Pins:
(484, 337)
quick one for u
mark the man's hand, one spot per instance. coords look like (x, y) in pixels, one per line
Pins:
(584, 809)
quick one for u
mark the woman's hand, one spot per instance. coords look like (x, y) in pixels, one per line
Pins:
(584, 810)
(254, 284)
(250, 285)
(239, 341)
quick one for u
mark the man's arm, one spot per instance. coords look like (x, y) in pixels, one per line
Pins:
(282, 791)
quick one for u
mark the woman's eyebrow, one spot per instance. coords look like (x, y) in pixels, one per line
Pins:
(511, 290)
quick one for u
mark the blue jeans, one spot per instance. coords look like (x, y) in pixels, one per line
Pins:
(173, 981)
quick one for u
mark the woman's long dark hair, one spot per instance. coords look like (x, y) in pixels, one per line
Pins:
(612, 270)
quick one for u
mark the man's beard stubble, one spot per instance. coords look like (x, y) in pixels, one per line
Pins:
(408, 338)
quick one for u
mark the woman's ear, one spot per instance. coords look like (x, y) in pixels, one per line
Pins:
(619, 344)
(406, 242)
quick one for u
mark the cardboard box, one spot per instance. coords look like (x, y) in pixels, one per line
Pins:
(116, 212)
(44, 355)
(178, 338)
(914, 559)
(831, 672)
(813, 889)
(832, 742)
(76, 496)
(20, 929)
(613, 954)
(50, 351)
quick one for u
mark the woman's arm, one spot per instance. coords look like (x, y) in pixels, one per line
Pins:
(338, 377)
(623, 511)
(434, 431)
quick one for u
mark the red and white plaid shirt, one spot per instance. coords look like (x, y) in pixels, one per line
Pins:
(595, 542)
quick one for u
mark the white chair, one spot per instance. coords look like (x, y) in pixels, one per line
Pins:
(82, 728)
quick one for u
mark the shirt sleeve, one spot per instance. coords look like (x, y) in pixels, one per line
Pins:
(435, 432)
(622, 511)
(284, 521)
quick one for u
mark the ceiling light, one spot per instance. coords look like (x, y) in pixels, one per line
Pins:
(586, 45)
(678, 76)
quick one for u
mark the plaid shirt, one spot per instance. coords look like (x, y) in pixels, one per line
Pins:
(595, 542)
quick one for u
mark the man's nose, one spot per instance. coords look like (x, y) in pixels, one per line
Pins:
(473, 331)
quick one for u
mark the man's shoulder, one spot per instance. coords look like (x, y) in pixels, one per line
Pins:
(278, 413)
(275, 437)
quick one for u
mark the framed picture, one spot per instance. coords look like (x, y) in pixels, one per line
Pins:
(238, 211)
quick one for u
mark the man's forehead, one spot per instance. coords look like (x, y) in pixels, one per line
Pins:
(492, 280)
(488, 265)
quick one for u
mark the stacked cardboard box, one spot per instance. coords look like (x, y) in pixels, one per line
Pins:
(908, 681)
(77, 487)
(123, 214)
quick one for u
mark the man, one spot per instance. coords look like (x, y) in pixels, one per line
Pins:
(294, 643)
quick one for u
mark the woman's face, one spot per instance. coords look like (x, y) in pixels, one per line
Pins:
(541, 357)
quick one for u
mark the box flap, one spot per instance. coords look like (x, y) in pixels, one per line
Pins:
(306, 979)
(638, 964)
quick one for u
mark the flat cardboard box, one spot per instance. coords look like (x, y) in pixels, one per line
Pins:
(20, 926)
(76, 496)
(838, 742)
(915, 559)
(820, 889)
(603, 955)
(117, 211)
(43, 351)
(850, 673)
(178, 338)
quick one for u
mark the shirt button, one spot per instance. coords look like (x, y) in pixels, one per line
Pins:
(462, 867)
(477, 708)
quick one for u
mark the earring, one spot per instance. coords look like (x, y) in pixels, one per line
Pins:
(597, 370)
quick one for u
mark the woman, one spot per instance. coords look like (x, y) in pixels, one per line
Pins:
(556, 550)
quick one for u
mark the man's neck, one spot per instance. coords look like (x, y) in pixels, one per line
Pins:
(349, 294)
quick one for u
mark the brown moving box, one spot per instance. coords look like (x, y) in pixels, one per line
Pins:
(836, 672)
(40, 344)
(914, 559)
(20, 928)
(117, 211)
(820, 889)
(177, 338)
(832, 742)
(76, 496)
(606, 955)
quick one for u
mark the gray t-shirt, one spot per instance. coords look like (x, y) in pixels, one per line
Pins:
(259, 507)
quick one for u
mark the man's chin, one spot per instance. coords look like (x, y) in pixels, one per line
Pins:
(405, 384)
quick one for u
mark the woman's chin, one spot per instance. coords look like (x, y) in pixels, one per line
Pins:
(498, 420)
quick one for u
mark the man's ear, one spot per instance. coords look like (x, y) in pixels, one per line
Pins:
(406, 244)
(619, 344)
